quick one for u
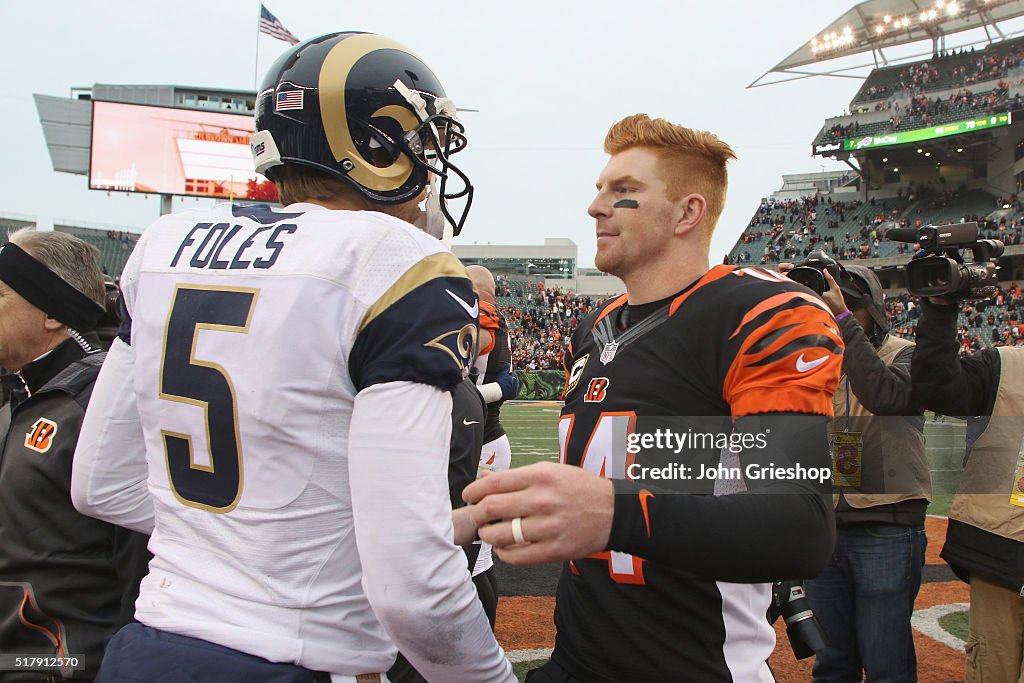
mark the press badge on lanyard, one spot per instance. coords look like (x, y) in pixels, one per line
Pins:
(847, 452)
(1017, 494)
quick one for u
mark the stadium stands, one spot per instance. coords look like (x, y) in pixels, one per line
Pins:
(540, 320)
(11, 223)
(998, 321)
(115, 245)
(924, 111)
(785, 231)
(950, 70)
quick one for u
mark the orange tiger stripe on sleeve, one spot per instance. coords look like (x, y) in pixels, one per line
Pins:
(789, 358)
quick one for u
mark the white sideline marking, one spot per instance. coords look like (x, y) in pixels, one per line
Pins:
(517, 656)
(927, 622)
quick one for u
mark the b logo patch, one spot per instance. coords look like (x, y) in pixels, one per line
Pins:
(597, 390)
(40, 437)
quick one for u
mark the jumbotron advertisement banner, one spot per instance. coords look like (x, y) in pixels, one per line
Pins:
(164, 150)
(918, 135)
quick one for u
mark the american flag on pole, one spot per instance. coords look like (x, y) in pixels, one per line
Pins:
(273, 27)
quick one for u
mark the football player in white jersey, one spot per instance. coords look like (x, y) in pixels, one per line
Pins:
(276, 409)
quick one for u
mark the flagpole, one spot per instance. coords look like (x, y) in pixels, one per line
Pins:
(256, 66)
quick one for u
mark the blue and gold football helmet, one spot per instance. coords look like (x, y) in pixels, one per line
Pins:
(365, 109)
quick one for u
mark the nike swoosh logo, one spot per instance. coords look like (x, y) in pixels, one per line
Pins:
(474, 310)
(801, 366)
(644, 496)
(470, 422)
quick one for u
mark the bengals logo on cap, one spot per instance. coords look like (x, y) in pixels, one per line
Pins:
(40, 437)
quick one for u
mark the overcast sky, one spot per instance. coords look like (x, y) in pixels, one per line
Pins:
(548, 77)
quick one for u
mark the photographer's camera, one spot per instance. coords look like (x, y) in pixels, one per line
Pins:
(802, 628)
(811, 273)
(942, 270)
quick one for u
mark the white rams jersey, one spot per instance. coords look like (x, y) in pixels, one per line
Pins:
(252, 332)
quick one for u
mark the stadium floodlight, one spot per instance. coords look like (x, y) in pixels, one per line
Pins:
(879, 24)
(940, 3)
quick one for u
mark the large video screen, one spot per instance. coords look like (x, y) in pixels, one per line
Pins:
(917, 135)
(163, 150)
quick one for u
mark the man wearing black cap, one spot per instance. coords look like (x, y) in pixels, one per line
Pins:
(67, 581)
(882, 484)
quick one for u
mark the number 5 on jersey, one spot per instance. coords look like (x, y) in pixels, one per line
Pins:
(217, 486)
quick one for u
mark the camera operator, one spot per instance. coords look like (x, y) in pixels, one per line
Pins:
(882, 488)
(985, 539)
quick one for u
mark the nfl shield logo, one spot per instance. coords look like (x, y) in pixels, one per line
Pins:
(608, 354)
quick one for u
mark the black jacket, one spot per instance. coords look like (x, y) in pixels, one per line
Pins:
(966, 387)
(67, 581)
(884, 389)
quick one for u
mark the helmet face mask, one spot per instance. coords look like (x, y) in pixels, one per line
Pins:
(364, 109)
(431, 146)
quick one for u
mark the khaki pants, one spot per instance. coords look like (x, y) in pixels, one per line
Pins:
(995, 648)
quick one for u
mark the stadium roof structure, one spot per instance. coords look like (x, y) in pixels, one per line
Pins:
(873, 25)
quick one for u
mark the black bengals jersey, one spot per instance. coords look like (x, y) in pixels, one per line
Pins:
(499, 358)
(736, 343)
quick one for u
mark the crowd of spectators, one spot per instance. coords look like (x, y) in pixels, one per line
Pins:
(905, 96)
(842, 131)
(961, 68)
(541, 321)
(787, 230)
(126, 239)
(922, 111)
(792, 229)
(998, 321)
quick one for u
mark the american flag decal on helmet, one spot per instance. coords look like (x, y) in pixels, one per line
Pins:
(290, 99)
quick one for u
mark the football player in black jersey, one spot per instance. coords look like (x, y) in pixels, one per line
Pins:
(497, 382)
(697, 383)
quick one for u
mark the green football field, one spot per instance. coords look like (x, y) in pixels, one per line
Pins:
(532, 428)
